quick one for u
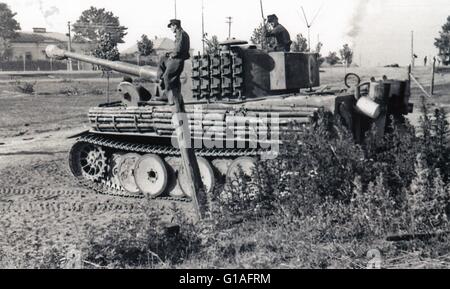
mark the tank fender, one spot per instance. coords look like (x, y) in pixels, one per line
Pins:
(86, 132)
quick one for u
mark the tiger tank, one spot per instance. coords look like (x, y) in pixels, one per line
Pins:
(238, 101)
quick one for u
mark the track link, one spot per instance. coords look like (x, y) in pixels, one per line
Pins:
(105, 188)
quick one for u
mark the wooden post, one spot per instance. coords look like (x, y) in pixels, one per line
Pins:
(413, 61)
(107, 87)
(188, 155)
(433, 72)
(409, 73)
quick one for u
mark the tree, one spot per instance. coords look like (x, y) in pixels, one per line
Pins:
(300, 44)
(94, 23)
(8, 29)
(347, 54)
(443, 42)
(107, 48)
(258, 36)
(212, 45)
(320, 58)
(145, 46)
(332, 58)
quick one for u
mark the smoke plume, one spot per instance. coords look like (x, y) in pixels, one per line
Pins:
(47, 13)
(357, 19)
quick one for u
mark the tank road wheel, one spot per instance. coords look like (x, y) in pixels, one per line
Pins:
(244, 165)
(174, 168)
(126, 173)
(115, 161)
(151, 175)
(222, 165)
(88, 161)
(206, 173)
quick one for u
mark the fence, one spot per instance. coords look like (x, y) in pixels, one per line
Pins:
(36, 65)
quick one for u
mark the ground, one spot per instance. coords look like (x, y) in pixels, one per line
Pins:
(34, 144)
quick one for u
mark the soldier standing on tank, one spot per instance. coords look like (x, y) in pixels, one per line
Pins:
(172, 64)
(280, 33)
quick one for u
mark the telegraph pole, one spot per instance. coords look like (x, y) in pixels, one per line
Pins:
(69, 46)
(203, 27)
(229, 22)
(413, 59)
(175, 3)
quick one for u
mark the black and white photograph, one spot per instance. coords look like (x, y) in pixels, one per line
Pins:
(224, 135)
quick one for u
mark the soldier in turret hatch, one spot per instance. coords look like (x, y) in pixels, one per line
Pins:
(172, 64)
(283, 39)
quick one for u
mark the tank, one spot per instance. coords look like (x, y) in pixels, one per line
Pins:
(237, 103)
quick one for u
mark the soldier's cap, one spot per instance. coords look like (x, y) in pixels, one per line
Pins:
(174, 22)
(272, 18)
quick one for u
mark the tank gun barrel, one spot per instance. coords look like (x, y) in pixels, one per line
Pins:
(53, 51)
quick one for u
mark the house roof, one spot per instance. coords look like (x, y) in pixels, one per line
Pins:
(162, 43)
(33, 37)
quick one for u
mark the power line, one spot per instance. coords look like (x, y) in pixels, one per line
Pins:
(109, 26)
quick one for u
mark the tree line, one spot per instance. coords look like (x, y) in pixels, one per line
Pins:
(104, 31)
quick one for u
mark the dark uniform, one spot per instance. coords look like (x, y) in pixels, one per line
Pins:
(282, 36)
(172, 65)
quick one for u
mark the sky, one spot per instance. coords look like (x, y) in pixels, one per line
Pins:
(379, 31)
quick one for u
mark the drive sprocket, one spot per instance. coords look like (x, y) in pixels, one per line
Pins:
(88, 161)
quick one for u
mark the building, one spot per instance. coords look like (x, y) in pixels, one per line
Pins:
(29, 48)
(161, 46)
(31, 45)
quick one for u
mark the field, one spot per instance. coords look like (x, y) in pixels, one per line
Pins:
(44, 214)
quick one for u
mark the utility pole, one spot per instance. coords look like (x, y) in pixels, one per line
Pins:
(229, 22)
(413, 58)
(203, 27)
(175, 3)
(433, 72)
(69, 46)
(318, 40)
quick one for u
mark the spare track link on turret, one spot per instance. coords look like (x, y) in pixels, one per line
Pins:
(104, 189)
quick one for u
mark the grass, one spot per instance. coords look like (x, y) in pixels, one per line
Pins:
(55, 106)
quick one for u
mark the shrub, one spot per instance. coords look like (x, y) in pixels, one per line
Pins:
(25, 87)
(354, 191)
(70, 91)
(427, 200)
(140, 243)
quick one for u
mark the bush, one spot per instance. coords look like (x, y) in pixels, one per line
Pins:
(140, 243)
(25, 87)
(70, 91)
(394, 185)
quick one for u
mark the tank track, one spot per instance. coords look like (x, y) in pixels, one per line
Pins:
(104, 187)
(46, 201)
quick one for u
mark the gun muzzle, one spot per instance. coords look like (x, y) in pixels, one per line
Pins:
(54, 51)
